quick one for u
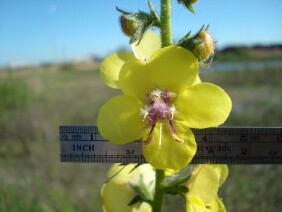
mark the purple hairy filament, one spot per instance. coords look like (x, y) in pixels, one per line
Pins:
(160, 108)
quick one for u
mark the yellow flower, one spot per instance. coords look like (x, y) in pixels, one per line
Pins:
(162, 100)
(203, 187)
(117, 193)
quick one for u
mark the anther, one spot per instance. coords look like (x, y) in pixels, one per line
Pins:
(148, 140)
(176, 137)
(173, 133)
(150, 136)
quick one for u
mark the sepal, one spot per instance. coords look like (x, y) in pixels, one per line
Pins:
(143, 191)
(135, 200)
(188, 4)
(174, 183)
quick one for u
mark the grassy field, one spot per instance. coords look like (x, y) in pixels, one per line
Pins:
(34, 103)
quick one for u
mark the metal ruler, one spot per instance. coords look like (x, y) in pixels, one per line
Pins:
(226, 145)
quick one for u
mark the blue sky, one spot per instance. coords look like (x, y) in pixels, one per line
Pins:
(56, 30)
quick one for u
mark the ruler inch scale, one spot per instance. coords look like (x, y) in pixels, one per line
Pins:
(223, 145)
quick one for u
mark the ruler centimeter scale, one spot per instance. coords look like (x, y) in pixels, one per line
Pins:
(225, 145)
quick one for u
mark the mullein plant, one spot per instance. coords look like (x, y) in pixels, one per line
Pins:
(162, 98)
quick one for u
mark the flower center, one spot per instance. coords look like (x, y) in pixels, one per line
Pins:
(160, 108)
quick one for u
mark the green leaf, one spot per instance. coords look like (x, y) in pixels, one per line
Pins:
(136, 199)
(188, 4)
(190, 7)
(142, 190)
(154, 13)
(179, 178)
(176, 190)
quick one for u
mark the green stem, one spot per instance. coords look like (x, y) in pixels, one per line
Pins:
(166, 38)
(159, 191)
(166, 33)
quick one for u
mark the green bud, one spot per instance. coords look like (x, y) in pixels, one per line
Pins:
(136, 24)
(201, 44)
(128, 26)
(205, 46)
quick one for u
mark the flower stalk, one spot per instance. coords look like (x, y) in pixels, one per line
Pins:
(165, 25)
(159, 191)
(166, 39)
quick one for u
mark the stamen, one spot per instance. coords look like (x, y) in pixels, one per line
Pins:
(171, 113)
(156, 93)
(167, 96)
(144, 112)
(176, 137)
(150, 136)
(173, 133)
(160, 108)
(148, 140)
(145, 116)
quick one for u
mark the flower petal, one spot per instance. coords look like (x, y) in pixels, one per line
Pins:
(198, 80)
(121, 177)
(203, 184)
(111, 65)
(129, 172)
(150, 42)
(221, 171)
(174, 68)
(164, 152)
(114, 200)
(195, 205)
(135, 79)
(217, 205)
(203, 105)
(120, 121)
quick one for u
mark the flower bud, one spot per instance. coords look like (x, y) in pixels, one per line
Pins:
(134, 25)
(201, 44)
(128, 26)
(204, 47)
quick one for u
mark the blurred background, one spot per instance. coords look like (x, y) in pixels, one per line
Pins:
(50, 53)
